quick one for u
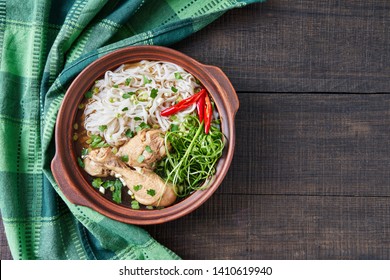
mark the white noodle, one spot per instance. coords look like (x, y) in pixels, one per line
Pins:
(110, 109)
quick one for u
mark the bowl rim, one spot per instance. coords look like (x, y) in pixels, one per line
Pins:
(68, 174)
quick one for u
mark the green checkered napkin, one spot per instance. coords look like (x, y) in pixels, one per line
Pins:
(44, 45)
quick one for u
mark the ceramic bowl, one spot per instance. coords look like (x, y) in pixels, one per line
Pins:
(71, 178)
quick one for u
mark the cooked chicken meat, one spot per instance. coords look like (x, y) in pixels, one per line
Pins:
(94, 162)
(144, 149)
(95, 168)
(148, 188)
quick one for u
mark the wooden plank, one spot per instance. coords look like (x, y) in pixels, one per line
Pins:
(281, 227)
(311, 144)
(300, 46)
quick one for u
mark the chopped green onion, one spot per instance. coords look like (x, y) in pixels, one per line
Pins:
(153, 93)
(148, 149)
(84, 152)
(80, 162)
(146, 80)
(138, 119)
(125, 109)
(142, 126)
(115, 86)
(178, 76)
(135, 205)
(88, 94)
(151, 192)
(96, 141)
(96, 183)
(125, 158)
(102, 127)
(129, 133)
(174, 89)
(117, 192)
(128, 95)
(128, 81)
(141, 158)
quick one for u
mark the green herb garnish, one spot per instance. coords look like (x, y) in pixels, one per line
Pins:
(128, 81)
(117, 192)
(146, 80)
(80, 162)
(135, 205)
(137, 188)
(84, 152)
(102, 127)
(174, 89)
(148, 149)
(125, 158)
(129, 133)
(153, 93)
(178, 76)
(151, 192)
(96, 141)
(141, 158)
(96, 183)
(142, 126)
(128, 95)
(88, 94)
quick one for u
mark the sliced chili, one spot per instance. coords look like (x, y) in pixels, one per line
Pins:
(182, 104)
(208, 114)
(200, 107)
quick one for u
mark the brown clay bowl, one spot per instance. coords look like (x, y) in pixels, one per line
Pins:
(69, 175)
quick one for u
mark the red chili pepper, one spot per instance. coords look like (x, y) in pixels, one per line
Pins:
(200, 107)
(208, 114)
(182, 104)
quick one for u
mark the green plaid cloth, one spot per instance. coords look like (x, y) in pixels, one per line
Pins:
(44, 45)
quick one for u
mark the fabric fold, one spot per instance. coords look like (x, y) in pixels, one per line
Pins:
(44, 45)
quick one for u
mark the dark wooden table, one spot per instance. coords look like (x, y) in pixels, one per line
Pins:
(310, 178)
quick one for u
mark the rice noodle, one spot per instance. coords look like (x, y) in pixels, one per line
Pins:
(122, 99)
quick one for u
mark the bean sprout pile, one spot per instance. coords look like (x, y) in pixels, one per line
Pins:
(135, 95)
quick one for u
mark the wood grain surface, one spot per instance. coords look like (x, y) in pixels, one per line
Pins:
(310, 178)
(300, 46)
